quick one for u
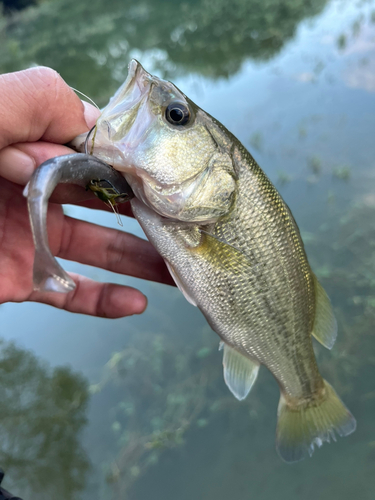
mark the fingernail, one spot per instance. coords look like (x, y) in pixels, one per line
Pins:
(91, 114)
(16, 166)
(141, 304)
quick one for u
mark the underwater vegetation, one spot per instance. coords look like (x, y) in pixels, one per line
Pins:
(349, 274)
(43, 413)
(163, 389)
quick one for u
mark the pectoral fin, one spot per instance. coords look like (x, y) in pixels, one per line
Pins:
(230, 257)
(240, 372)
(325, 325)
(232, 260)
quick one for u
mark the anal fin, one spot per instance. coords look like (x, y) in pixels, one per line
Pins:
(240, 372)
(325, 325)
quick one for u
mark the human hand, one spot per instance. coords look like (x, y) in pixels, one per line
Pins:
(39, 113)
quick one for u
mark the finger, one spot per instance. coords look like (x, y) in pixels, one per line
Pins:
(113, 250)
(106, 300)
(39, 105)
(18, 161)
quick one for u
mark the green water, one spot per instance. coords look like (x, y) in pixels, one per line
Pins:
(137, 408)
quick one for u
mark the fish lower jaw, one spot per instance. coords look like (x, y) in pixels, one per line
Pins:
(170, 204)
(170, 207)
(149, 196)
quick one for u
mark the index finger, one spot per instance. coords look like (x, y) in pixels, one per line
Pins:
(37, 104)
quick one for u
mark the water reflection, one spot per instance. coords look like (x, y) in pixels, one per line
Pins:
(42, 417)
(212, 38)
(234, 453)
(12, 5)
(162, 422)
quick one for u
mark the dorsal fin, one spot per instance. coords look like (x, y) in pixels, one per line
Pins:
(240, 372)
(325, 325)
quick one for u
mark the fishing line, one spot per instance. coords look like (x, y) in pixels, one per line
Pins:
(116, 212)
(90, 132)
(87, 97)
(87, 140)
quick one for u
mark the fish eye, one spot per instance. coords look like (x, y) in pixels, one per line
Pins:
(177, 113)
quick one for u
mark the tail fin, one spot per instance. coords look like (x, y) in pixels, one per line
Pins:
(300, 428)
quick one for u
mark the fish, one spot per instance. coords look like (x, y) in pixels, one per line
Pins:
(232, 246)
(83, 170)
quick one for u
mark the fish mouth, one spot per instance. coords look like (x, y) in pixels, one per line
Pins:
(135, 88)
(118, 132)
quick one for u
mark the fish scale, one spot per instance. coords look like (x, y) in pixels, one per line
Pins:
(251, 213)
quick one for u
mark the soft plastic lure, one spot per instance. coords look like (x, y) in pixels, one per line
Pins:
(80, 169)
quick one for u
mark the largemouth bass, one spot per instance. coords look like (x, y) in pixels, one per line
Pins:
(232, 246)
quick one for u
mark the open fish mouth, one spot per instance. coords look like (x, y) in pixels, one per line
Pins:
(119, 115)
(118, 132)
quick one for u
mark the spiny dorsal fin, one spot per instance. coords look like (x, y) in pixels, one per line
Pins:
(240, 372)
(325, 325)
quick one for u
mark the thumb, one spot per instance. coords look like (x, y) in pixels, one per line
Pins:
(38, 104)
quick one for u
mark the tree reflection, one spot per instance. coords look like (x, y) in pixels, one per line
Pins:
(91, 42)
(42, 414)
(160, 390)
